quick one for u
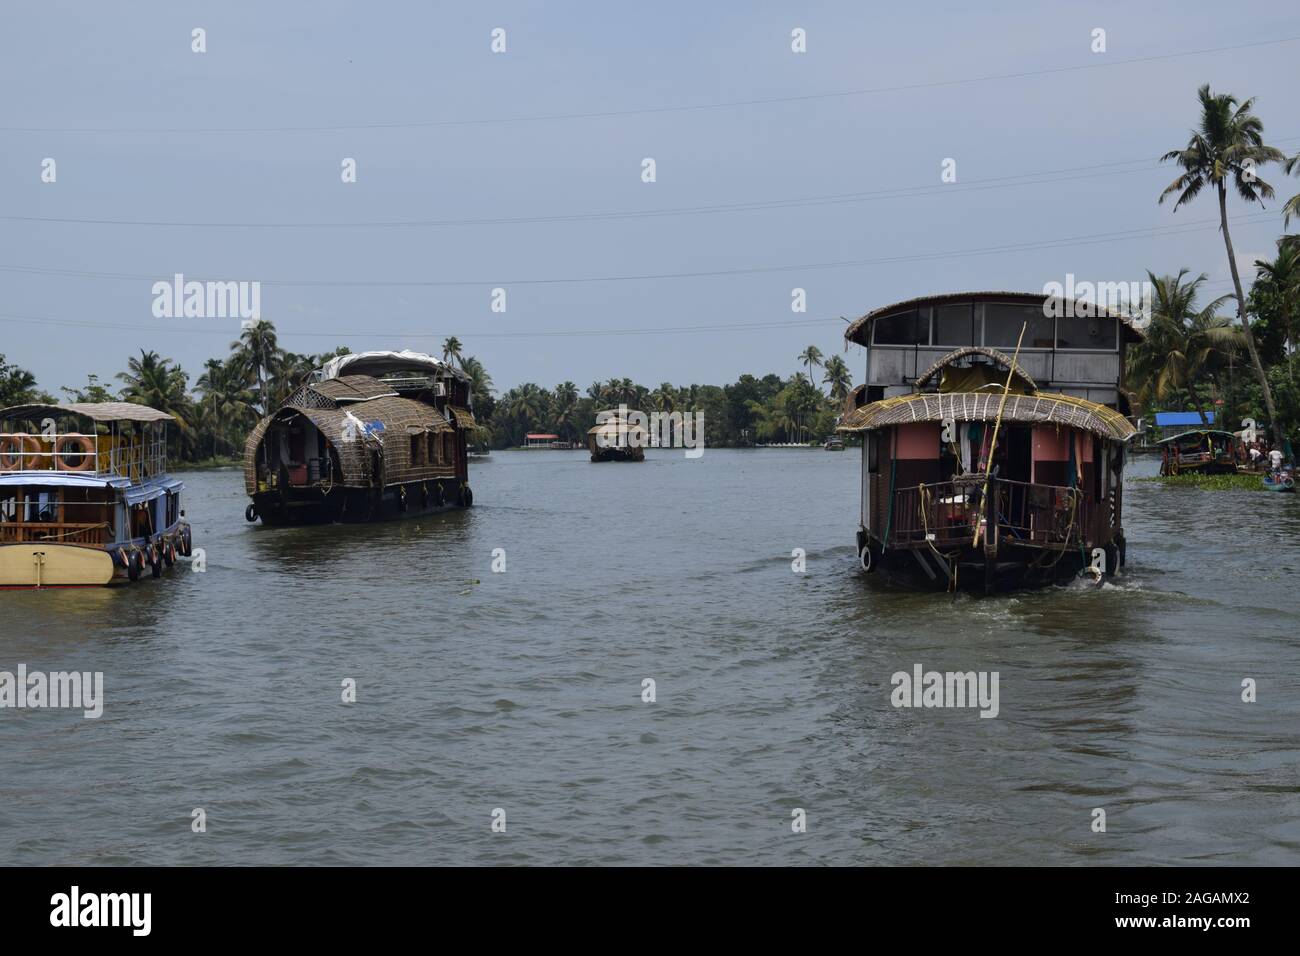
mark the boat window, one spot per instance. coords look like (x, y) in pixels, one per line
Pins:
(954, 324)
(1003, 321)
(1079, 332)
(902, 328)
(417, 450)
(431, 448)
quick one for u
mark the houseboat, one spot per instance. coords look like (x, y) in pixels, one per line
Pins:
(617, 437)
(994, 427)
(1204, 451)
(371, 436)
(85, 498)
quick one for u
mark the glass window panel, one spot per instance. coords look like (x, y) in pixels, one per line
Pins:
(901, 328)
(1002, 323)
(1086, 333)
(954, 325)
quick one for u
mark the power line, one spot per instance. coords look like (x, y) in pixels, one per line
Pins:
(1120, 235)
(189, 330)
(902, 192)
(597, 114)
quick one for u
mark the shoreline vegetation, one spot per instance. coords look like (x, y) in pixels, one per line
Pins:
(1240, 482)
(1229, 368)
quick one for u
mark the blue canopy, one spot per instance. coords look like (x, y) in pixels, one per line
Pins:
(1183, 418)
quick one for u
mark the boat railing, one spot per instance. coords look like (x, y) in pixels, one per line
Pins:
(947, 514)
(37, 520)
(107, 456)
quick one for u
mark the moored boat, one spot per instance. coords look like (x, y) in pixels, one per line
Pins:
(976, 472)
(372, 436)
(85, 497)
(1283, 481)
(1205, 451)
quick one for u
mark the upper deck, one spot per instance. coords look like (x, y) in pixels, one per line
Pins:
(1063, 350)
(120, 442)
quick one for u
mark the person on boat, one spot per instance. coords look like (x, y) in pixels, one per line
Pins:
(1275, 460)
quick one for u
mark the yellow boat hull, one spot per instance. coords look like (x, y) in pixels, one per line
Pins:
(33, 565)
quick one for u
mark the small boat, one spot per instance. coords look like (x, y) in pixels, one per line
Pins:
(372, 436)
(1204, 451)
(617, 437)
(834, 443)
(85, 498)
(1283, 481)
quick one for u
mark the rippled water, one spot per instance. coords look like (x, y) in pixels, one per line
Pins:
(522, 690)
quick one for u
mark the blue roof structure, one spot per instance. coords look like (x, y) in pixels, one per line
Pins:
(1183, 418)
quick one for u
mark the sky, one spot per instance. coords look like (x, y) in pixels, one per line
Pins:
(523, 170)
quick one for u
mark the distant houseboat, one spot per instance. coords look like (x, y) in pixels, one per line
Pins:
(372, 436)
(541, 440)
(1203, 451)
(946, 505)
(617, 439)
(85, 498)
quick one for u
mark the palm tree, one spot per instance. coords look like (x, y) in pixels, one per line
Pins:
(566, 407)
(1183, 343)
(257, 349)
(1228, 145)
(1292, 207)
(480, 382)
(839, 378)
(811, 356)
(160, 384)
(1281, 279)
(451, 349)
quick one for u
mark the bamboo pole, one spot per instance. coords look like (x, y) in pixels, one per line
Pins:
(981, 527)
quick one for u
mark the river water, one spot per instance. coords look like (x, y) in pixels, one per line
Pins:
(522, 691)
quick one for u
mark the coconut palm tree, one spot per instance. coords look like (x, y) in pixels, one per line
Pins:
(451, 349)
(257, 350)
(566, 408)
(838, 378)
(1229, 145)
(811, 356)
(1183, 344)
(1292, 207)
(1281, 279)
(480, 382)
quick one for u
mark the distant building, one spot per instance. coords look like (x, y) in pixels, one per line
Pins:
(540, 440)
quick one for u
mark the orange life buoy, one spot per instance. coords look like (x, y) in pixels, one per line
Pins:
(18, 453)
(82, 453)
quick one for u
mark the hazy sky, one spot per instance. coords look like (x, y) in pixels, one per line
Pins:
(142, 129)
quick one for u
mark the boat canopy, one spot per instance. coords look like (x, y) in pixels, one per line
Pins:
(1037, 409)
(381, 363)
(97, 411)
(1196, 433)
(62, 479)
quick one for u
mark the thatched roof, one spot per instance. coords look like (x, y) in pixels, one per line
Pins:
(959, 356)
(97, 411)
(352, 388)
(463, 417)
(983, 407)
(859, 330)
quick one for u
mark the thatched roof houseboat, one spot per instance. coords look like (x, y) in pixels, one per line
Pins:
(994, 438)
(617, 438)
(372, 436)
